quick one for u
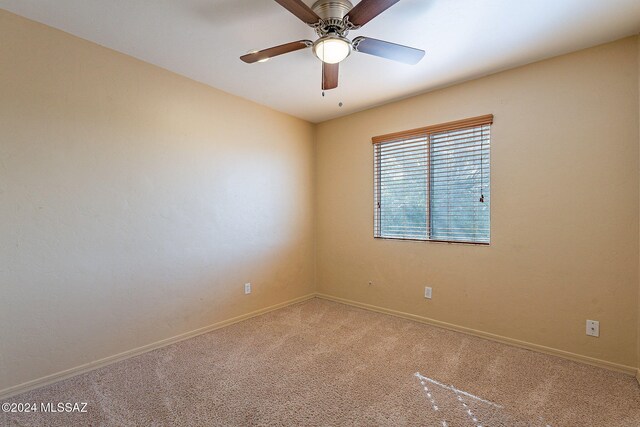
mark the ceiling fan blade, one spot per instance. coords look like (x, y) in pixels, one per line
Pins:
(366, 10)
(301, 10)
(330, 75)
(396, 52)
(265, 54)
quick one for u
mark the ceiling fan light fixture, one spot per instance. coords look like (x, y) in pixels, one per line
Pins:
(332, 48)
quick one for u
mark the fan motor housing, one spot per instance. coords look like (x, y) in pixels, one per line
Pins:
(332, 9)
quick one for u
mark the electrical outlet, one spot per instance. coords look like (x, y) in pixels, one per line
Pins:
(593, 328)
(247, 288)
(427, 292)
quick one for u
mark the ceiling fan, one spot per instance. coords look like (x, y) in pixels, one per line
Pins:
(332, 20)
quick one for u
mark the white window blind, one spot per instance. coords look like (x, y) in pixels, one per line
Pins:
(433, 183)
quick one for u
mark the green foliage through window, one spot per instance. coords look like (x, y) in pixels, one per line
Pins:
(434, 186)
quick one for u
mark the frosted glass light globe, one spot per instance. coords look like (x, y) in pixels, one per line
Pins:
(332, 49)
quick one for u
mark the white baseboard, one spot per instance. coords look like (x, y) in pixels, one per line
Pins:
(505, 340)
(72, 372)
(59, 376)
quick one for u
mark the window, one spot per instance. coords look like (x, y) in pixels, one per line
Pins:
(433, 183)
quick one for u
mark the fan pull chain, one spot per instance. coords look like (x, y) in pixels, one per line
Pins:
(322, 72)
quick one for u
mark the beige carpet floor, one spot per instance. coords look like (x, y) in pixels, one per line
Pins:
(320, 363)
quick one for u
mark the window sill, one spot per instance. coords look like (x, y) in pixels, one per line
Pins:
(433, 241)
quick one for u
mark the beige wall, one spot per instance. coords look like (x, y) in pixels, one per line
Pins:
(135, 203)
(564, 208)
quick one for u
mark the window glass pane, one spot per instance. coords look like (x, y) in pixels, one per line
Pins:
(403, 190)
(459, 178)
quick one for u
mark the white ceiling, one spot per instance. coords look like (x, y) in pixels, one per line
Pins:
(203, 39)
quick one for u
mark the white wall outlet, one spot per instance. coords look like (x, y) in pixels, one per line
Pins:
(427, 292)
(247, 288)
(593, 328)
